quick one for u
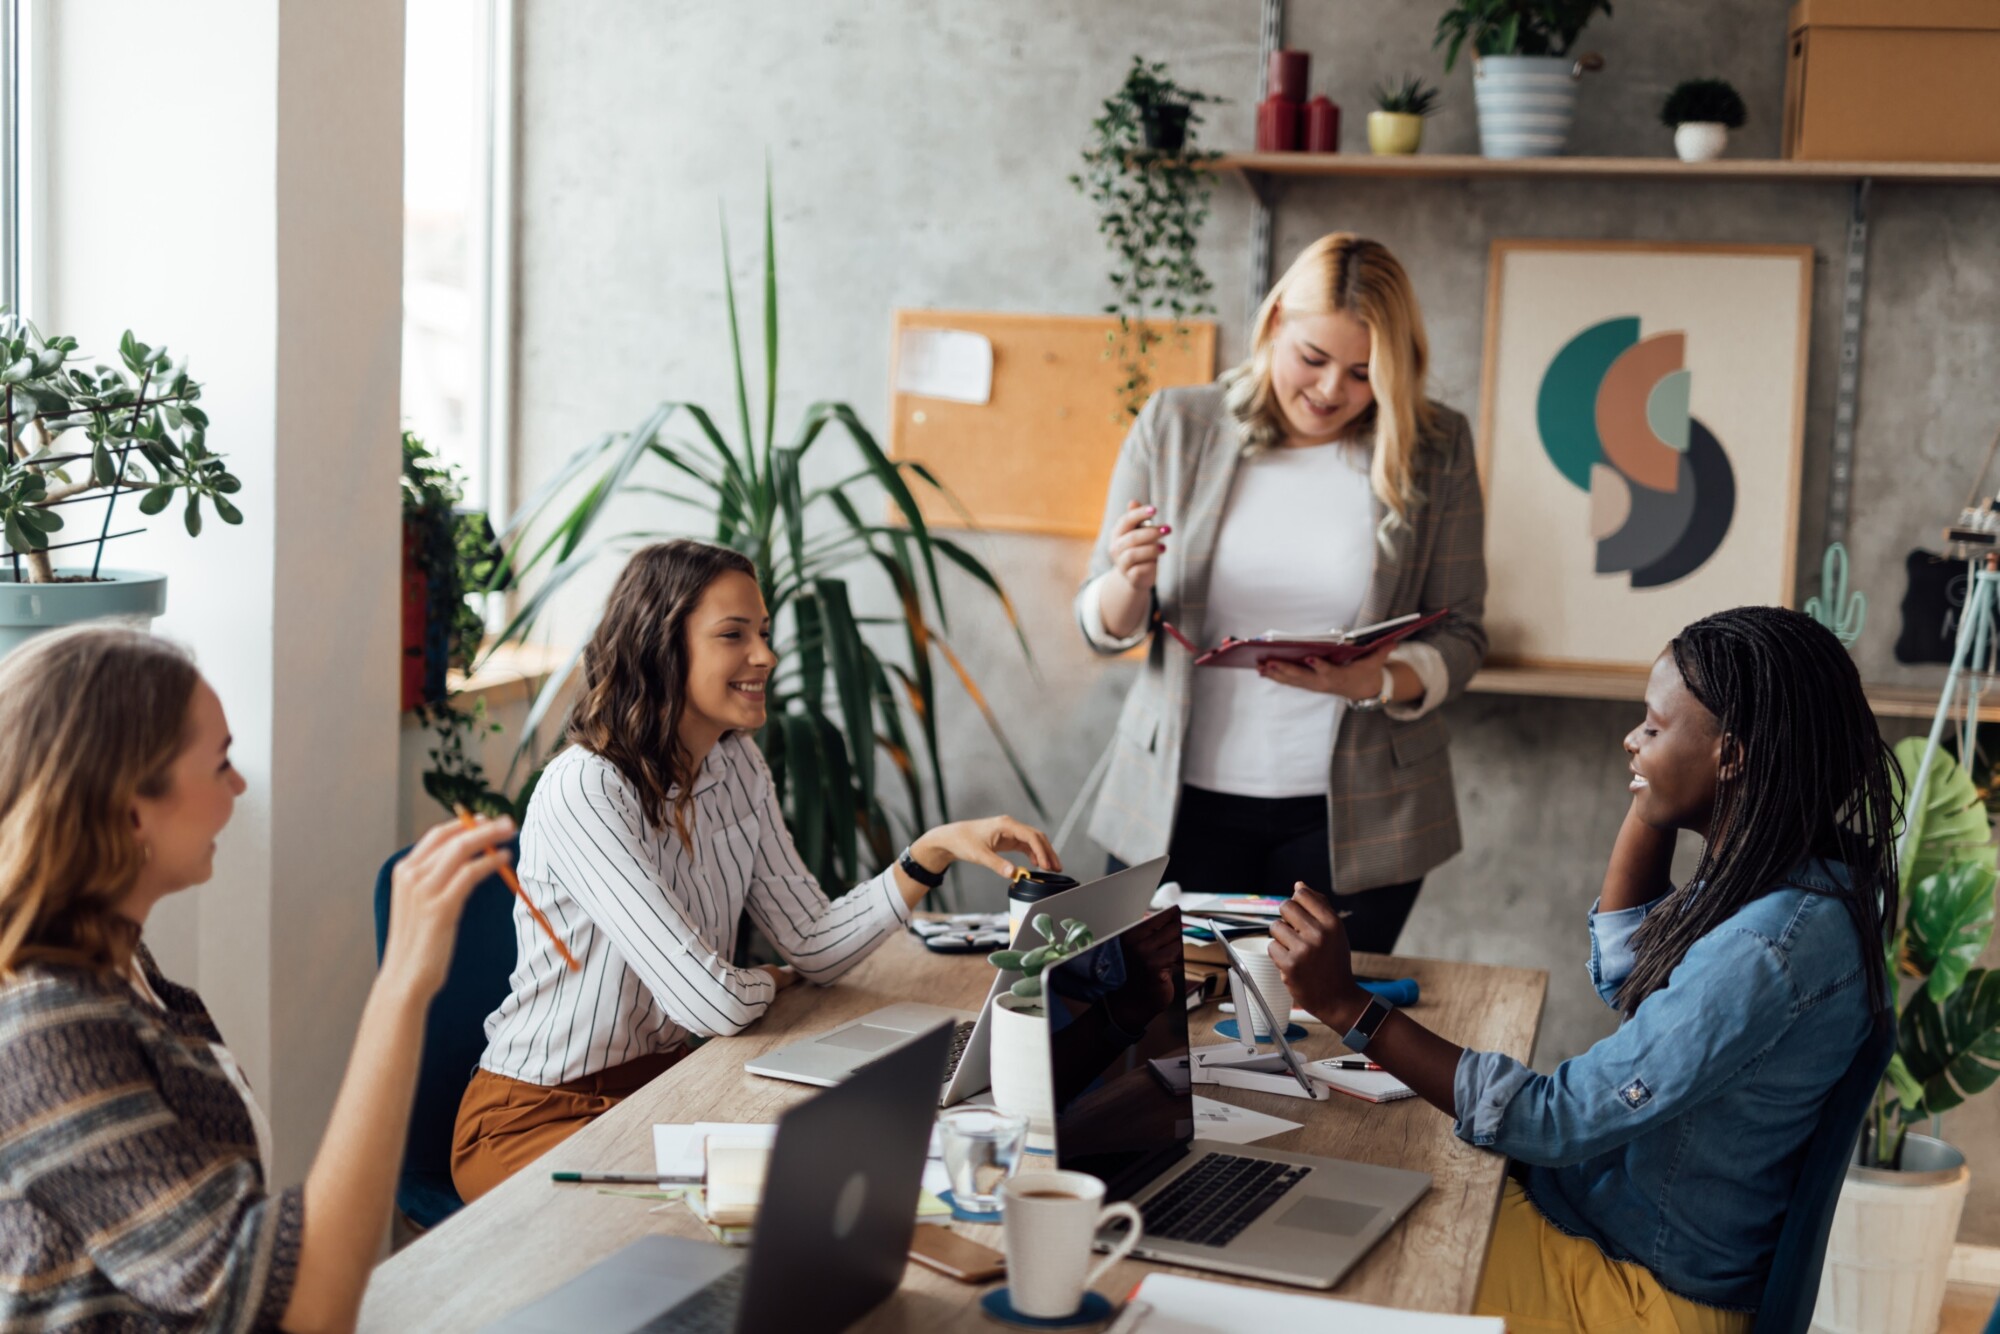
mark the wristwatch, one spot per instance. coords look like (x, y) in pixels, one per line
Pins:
(918, 872)
(1387, 695)
(1373, 1016)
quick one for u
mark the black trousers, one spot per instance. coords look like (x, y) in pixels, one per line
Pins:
(1225, 844)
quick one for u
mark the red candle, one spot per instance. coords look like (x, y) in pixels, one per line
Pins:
(1278, 125)
(1286, 76)
(1322, 125)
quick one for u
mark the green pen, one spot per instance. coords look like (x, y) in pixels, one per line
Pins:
(622, 1179)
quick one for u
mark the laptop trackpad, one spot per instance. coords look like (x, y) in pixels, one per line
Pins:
(1316, 1213)
(865, 1037)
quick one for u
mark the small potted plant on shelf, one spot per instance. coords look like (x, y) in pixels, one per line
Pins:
(1701, 113)
(79, 437)
(1396, 126)
(1524, 76)
(1020, 1044)
(1147, 180)
(1899, 1208)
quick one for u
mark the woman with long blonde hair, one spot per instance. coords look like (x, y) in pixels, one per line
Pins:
(134, 1159)
(1312, 487)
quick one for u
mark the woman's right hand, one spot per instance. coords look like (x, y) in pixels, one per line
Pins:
(1136, 547)
(427, 898)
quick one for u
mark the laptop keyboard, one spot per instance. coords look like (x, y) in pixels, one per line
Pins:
(961, 1038)
(710, 1311)
(1217, 1198)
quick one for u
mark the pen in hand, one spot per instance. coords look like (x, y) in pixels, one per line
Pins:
(465, 817)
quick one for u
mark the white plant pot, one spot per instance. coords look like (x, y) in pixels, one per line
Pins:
(1701, 140)
(131, 597)
(1526, 104)
(1891, 1243)
(1019, 1061)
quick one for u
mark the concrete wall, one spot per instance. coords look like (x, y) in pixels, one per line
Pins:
(921, 152)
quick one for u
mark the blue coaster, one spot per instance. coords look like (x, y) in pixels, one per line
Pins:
(967, 1215)
(1228, 1029)
(1095, 1310)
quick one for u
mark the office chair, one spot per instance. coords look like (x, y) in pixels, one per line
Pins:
(1792, 1288)
(454, 1038)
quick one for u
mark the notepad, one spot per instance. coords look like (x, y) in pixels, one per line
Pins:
(681, 1150)
(735, 1181)
(1367, 1085)
(1178, 1305)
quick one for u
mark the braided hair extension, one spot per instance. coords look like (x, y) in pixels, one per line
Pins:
(1805, 773)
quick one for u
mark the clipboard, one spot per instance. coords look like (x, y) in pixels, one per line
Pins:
(1339, 648)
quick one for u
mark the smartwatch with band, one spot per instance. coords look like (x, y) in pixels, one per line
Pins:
(918, 872)
(1373, 1016)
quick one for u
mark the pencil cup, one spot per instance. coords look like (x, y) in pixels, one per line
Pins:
(1050, 1220)
(1256, 955)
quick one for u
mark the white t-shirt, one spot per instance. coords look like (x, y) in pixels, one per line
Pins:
(1295, 553)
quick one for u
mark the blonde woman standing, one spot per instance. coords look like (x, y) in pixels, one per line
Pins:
(1312, 486)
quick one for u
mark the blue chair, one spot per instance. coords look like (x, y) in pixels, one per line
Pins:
(1792, 1288)
(454, 1038)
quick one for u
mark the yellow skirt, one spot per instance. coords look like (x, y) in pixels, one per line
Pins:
(1545, 1281)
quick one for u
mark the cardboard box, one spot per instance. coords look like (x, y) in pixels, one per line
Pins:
(1893, 81)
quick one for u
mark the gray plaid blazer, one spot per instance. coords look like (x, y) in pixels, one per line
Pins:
(1392, 813)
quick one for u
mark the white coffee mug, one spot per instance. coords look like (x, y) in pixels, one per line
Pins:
(1256, 955)
(1050, 1220)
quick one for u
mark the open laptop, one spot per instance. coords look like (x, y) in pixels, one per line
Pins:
(833, 1228)
(1124, 1112)
(1106, 905)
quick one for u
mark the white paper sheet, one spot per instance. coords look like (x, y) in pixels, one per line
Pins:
(1227, 1122)
(682, 1150)
(1196, 1306)
(945, 363)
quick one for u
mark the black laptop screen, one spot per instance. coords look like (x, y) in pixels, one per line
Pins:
(1118, 1046)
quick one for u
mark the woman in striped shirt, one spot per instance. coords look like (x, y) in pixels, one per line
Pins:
(133, 1163)
(645, 842)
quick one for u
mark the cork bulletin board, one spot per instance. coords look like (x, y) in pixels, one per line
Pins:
(1037, 456)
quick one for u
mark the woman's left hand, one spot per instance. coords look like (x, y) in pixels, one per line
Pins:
(983, 841)
(1309, 945)
(1360, 679)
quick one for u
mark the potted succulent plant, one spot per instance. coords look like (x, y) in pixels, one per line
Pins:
(1524, 76)
(1020, 1043)
(1701, 113)
(1893, 1229)
(87, 437)
(1396, 126)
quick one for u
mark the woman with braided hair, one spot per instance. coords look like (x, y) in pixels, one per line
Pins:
(1651, 1174)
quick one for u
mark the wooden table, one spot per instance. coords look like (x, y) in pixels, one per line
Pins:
(528, 1236)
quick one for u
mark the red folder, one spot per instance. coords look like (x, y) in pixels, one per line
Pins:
(1337, 647)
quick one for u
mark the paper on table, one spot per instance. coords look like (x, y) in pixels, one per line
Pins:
(1227, 1122)
(682, 1150)
(945, 363)
(1197, 1306)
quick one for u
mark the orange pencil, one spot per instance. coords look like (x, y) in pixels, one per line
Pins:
(465, 818)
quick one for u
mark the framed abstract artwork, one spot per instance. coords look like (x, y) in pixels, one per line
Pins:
(1642, 420)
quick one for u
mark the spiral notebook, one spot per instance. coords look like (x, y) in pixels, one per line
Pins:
(1367, 1085)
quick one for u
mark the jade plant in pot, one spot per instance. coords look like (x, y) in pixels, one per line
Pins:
(1701, 113)
(1524, 76)
(78, 440)
(1396, 125)
(1899, 1207)
(1020, 1050)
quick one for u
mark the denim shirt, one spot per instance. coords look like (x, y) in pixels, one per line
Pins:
(1675, 1143)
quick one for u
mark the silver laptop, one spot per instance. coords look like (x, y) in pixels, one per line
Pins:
(1124, 1112)
(833, 1229)
(1106, 905)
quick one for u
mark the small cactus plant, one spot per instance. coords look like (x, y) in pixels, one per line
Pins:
(1070, 937)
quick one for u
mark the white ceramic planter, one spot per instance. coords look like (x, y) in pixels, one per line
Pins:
(1526, 104)
(1701, 140)
(1891, 1243)
(131, 597)
(1019, 1060)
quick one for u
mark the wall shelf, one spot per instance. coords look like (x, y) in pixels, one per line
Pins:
(1567, 683)
(1453, 166)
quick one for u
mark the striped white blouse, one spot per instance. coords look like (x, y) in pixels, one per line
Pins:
(654, 928)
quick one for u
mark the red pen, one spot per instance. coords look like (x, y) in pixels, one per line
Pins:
(1350, 1063)
(1179, 638)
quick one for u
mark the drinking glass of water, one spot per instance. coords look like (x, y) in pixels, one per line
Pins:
(981, 1147)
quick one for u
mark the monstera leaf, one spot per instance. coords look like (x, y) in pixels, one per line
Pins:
(1951, 1049)
(1952, 826)
(1949, 922)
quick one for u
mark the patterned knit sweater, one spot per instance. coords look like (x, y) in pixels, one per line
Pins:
(131, 1196)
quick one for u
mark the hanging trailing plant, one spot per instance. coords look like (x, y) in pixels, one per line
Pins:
(1149, 185)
